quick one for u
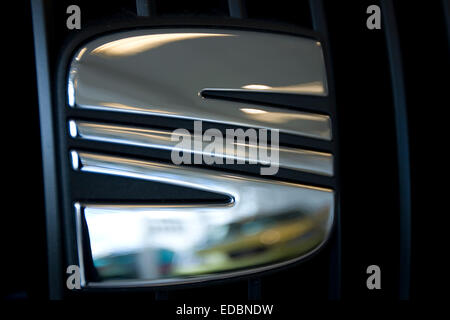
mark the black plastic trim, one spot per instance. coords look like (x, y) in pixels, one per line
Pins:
(401, 126)
(49, 162)
(319, 22)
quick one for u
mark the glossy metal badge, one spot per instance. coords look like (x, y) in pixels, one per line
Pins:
(263, 224)
(163, 72)
(289, 158)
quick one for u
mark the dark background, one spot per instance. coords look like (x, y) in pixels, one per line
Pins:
(369, 186)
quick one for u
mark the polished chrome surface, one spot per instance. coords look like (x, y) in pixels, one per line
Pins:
(264, 224)
(290, 158)
(162, 72)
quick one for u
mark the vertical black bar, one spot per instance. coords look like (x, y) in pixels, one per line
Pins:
(254, 289)
(237, 8)
(319, 22)
(446, 10)
(401, 124)
(40, 32)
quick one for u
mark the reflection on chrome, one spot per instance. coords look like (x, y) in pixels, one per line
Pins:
(134, 45)
(306, 88)
(290, 158)
(265, 224)
(162, 71)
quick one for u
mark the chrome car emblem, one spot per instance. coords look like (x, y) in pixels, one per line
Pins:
(263, 223)
(164, 71)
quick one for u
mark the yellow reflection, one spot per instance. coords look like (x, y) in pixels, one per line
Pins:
(80, 54)
(135, 45)
(309, 87)
(256, 87)
(269, 237)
